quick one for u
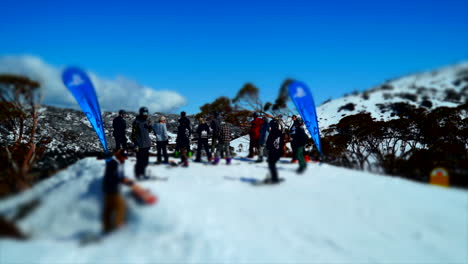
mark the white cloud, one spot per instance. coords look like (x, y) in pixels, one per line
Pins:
(120, 93)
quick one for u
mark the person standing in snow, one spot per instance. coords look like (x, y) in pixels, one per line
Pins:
(203, 131)
(114, 208)
(141, 128)
(160, 130)
(214, 125)
(119, 125)
(301, 139)
(292, 135)
(275, 146)
(264, 131)
(184, 119)
(254, 134)
(183, 139)
(224, 137)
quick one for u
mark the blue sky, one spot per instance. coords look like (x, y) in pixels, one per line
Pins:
(206, 49)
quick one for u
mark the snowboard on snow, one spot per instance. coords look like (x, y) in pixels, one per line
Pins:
(90, 238)
(254, 181)
(143, 196)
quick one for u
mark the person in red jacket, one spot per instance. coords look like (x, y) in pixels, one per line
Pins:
(254, 134)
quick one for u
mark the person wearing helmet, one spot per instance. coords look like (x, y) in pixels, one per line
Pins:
(141, 128)
(114, 209)
(119, 125)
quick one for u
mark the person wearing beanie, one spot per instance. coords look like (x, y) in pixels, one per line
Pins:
(203, 131)
(114, 208)
(119, 125)
(141, 127)
(224, 144)
(160, 130)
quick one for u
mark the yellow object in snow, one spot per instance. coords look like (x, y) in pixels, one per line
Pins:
(440, 176)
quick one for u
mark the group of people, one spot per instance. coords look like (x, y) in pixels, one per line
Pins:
(217, 130)
(267, 139)
(261, 134)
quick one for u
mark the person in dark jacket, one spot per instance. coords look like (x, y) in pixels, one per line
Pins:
(214, 125)
(186, 122)
(183, 140)
(275, 146)
(203, 131)
(301, 139)
(254, 134)
(292, 135)
(141, 128)
(223, 150)
(160, 130)
(264, 131)
(114, 209)
(119, 125)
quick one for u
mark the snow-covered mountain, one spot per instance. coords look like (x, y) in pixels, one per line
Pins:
(70, 137)
(442, 87)
(211, 214)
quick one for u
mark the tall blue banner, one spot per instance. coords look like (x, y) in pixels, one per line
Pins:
(304, 102)
(82, 89)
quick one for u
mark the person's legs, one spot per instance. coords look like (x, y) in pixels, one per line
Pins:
(294, 151)
(183, 156)
(139, 168)
(164, 151)
(159, 149)
(117, 143)
(251, 147)
(214, 143)
(272, 166)
(227, 151)
(145, 158)
(257, 146)
(123, 142)
(300, 157)
(142, 162)
(119, 211)
(113, 215)
(261, 153)
(207, 148)
(199, 150)
(106, 219)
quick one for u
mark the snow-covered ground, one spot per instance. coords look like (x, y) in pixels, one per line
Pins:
(431, 85)
(327, 215)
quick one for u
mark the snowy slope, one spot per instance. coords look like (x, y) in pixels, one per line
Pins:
(329, 214)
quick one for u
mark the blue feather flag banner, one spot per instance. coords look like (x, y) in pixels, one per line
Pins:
(83, 90)
(304, 102)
